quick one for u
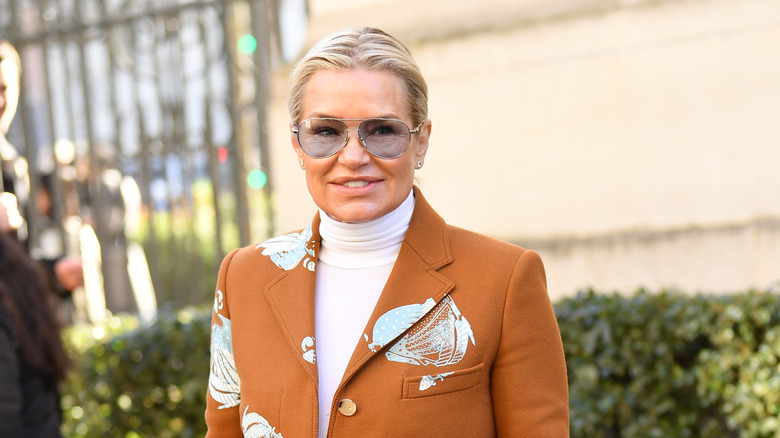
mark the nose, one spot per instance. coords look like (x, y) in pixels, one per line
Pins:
(353, 154)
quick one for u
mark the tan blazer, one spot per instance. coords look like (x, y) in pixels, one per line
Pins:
(462, 342)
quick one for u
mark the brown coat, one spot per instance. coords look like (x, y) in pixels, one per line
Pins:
(476, 350)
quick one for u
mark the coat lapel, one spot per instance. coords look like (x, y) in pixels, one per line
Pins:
(414, 287)
(291, 297)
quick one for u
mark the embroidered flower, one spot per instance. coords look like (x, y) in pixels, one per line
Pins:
(224, 383)
(440, 338)
(428, 381)
(393, 323)
(255, 426)
(288, 250)
(307, 345)
(218, 301)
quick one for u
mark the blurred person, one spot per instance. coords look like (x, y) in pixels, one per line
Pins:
(101, 186)
(10, 75)
(65, 271)
(379, 319)
(32, 358)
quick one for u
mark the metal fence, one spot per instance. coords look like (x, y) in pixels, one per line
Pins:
(144, 120)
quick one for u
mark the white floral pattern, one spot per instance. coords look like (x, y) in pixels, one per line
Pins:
(288, 250)
(255, 426)
(440, 338)
(393, 323)
(307, 345)
(224, 382)
(218, 301)
(428, 381)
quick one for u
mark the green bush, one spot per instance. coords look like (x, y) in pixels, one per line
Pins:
(641, 366)
(133, 380)
(672, 365)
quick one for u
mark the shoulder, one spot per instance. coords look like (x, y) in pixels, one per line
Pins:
(285, 251)
(462, 239)
(472, 251)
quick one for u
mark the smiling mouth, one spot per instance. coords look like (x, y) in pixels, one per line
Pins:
(355, 184)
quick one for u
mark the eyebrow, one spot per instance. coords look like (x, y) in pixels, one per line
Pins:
(316, 115)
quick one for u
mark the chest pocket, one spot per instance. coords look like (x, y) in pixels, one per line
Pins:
(443, 383)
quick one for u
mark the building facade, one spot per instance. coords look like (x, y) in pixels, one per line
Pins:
(631, 143)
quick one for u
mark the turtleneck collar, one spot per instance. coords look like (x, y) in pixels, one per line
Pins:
(366, 244)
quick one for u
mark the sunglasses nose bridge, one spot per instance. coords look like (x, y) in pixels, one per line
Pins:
(357, 132)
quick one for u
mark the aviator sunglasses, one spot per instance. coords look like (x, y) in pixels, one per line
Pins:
(383, 138)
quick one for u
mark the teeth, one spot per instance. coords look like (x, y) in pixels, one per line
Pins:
(356, 184)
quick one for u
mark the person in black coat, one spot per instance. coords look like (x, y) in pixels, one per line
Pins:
(33, 359)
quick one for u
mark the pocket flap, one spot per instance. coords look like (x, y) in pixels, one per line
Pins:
(442, 383)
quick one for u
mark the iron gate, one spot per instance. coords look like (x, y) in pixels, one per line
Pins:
(145, 121)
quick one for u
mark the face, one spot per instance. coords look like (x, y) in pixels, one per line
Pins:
(9, 93)
(353, 185)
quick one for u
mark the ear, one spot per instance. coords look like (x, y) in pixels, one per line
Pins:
(422, 140)
(296, 147)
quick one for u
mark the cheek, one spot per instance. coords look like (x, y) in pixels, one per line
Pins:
(403, 174)
(315, 174)
(310, 180)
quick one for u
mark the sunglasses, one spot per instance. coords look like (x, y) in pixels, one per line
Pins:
(383, 138)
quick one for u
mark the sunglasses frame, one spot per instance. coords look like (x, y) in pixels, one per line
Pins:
(296, 131)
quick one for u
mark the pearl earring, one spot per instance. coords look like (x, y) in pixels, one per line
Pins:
(300, 163)
(419, 165)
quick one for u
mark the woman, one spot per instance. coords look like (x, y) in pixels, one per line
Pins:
(32, 358)
(379, 319)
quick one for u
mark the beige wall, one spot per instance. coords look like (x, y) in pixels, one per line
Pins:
(633, 145)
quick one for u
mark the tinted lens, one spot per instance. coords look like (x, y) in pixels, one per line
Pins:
(321, 138)
(384, 138)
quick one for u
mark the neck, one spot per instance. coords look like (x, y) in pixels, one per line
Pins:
(366, 244)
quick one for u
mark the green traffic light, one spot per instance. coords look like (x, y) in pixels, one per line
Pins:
(257, 179)
(247, 44)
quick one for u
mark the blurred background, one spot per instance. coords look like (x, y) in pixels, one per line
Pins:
(633, 143)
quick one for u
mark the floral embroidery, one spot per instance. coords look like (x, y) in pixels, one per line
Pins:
(218, 301)
(439, 339)
(308, 349)
(255, 426)
(393, 323)
(224, 382)
(288, 250)
(428, 381)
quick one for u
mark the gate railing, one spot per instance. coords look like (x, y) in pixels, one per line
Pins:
(144, 120)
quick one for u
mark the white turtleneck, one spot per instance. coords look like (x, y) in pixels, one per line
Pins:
(355, 261)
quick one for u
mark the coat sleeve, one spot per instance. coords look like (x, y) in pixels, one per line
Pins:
(10, 381)
(528, 380)
(224, 385)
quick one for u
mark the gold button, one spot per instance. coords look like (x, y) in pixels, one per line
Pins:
(347, 407)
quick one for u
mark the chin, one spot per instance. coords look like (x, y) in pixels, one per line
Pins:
(354, 219)
(355, 216)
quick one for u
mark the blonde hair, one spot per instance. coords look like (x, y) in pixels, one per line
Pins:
(368, 48)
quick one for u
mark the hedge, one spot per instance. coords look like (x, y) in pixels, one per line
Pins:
(647, 365)
(133, 380)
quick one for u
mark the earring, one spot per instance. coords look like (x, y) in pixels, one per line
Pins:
(300, 163)
(419, 165)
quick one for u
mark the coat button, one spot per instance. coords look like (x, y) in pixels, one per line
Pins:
(347, 407)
